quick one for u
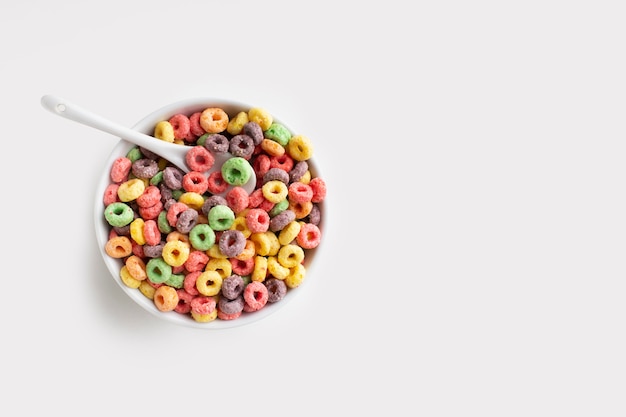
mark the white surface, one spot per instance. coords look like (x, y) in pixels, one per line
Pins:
(474, 154)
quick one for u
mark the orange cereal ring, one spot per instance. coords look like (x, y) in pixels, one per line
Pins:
(214, 120)
(119, 247)
(136, 267)
(301, 210)
(249, 250)
(165, 298)
(272, 148)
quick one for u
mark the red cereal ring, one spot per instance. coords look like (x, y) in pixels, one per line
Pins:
(198, 158)
(299, 192)
(216, 183)
(137, 249)
(309, 236)
(120, 169)
(181, 125)
(150, 196)
(242, 267)
(152, 212)
(223, 316)
(257, 220)
(151, 232)
(255, 295)
(261, 165)
(284, 162)
(189, 283)
(184, 300)
(195, 182)
(110, 194)
(196, 261)
(319, 189)
(202, 304)
(174, 211)
(266, 205)
(237, 199)
(194, 124)
(255, 198)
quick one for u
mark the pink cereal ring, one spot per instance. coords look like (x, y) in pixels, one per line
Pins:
(152, 212)
(223, 316)
(237, 199)
(194, 124)
(151, 232)
(309, 236)
(299, 192)
(242, 267)
(261, 165)
(196, 261)
(216, 183)
(120, 169)
(184, 300)
(174, 211)
(181, 125)
(284, 162)
(319, 189)
(195, 182)
(110, 194)
(257, 220)
(203, 304)
(151, 195)
(266, 205)
(255, 295)
(189, 283)
(255, 198)
(199, 158)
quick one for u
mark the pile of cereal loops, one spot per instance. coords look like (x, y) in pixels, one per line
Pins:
(194, 248)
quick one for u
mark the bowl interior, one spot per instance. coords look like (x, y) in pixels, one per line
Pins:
(146, 125)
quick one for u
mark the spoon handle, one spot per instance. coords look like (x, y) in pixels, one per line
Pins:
(64, 108)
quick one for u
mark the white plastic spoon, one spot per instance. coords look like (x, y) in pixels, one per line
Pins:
(172, 152)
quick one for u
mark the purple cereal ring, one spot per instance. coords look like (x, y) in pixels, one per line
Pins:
(232, 286)
(254, 130)
(148, 153)
(298, 171)
(242, 146)
(276, 174)
(212, 201)
(153, 251)
(233, 306)
(276, 289)
(187, 220)
(282, 219)
(173, 178)
(315, 215)
(216, 143)
(232, 243)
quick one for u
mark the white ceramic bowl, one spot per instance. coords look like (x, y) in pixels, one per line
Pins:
(102, 228)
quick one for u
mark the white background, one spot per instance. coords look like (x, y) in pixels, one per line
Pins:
(475, 159)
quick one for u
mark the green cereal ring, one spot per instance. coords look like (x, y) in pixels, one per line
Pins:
(176, 280)
(119, 214)
(202, 237)
(202, 139)
(157, 178)
(177, 193)
(221, 217)
(236, 171)
(279, 207)
(162, 223)
(158, 270)
(278, 133)
(134, 154)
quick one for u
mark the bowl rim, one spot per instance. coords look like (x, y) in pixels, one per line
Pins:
(146, 125)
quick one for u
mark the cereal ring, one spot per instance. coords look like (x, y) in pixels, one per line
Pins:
(184, 302)
(276, 174)
(195, 181)
(223, 316)
(298, 170)
(274, 191)
(221, 217)
(152, 212)
(275, 269)
(231, 306)
(203, 304)
(232, 286)
(198, 158)
(158, 270)
(192, 200)
(150, 196)
(259, 273)
(119, 214)
(196, 261)
(281, 220)
(175, 253)
(248, 251)
(236, 124)
(300, 148)
(212, 201)
(296, 276)
(173, 178)
(319, 189)
(216, 183)
(136, 267)
(301, 209)
(260, 116)
(136, 231)
(195, 128)
(120, 169)
(130, 190)
(204, 318)
(164, 131)
(272, 148)
(181, 126)
(278, 133)
(289, 233)
(257, 220)
(237, 199)
(242, 266)
(216, 143)
(290, 255)
(284, 162)
(261, 165)
(151, 232)
(110, 194)
(242, 146)
(279, 208)
(232, 243)
(165, 298)
(214, 120)
(309, 236)
(187, 220)
(315, 215)
(255, 295)
(201, 237)
(153, 251)
(145, 168)
(175, 280)
(127, 279)
(209, 283)
(240, 225)
(254, 130)
(174, 211)
(236, 171)
(118, 247)
(220, 265)
(276, 290)
(164, 225)
(146, 289)
(299, 192)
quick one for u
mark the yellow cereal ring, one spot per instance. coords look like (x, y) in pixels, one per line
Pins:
(260, 269)
(290, 255)
(204, 318)
(240, 224)
(276, 269)
(274, 243)
(118, 247)
(136, 231)
(179, 142)
(136, 267)
(289, 233)
(296, 276)
(248, 251)
(306, 178)
(192, 199)
(175, 253)
(162, 163)
(127, 279)
(131, 189)
(300, 148)
(165, 298)
(235, 126)
(272, 147)
(274, 191)
(213, 120)
(164, 131)
(301, 210)
(260, 116)
(147, 290)
(214, 252)
(262, 243)
(209, 283)
(221, 265)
